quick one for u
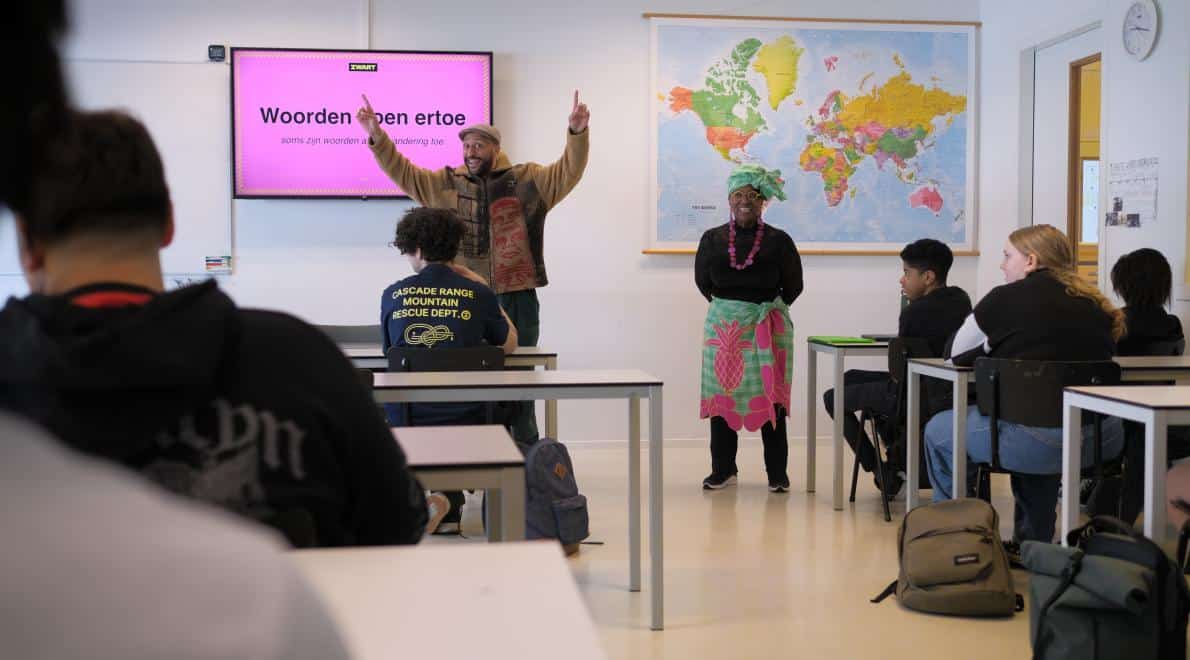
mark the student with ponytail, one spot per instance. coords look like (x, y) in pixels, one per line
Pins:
(1045, 311)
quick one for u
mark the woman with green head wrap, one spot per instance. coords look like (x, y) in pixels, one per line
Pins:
(750, 272)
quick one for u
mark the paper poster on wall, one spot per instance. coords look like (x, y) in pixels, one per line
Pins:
(1132, 193)
(871, 125)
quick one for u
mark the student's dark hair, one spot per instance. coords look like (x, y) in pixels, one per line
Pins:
(34, 96)
(102, 175)
(928, 254)
(437, 232)
(1143, 279)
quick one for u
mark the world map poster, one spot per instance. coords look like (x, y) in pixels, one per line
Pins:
(872, 127)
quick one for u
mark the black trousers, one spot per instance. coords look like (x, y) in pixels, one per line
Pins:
(1125, 498)
(725, 442)
(864, 389)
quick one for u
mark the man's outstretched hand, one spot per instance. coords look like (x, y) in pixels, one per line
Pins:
(579, 116)
(366, 117)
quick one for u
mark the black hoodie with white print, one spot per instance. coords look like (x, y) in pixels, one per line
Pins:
(253, 411)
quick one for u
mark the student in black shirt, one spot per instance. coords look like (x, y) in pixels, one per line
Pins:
(253, 411)
(443, 305)
(1144, 280)
(934, 312)
(1046, 311)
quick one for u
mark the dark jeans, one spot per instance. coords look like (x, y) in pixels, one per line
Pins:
(865, 389)
(525, 313)
(725, 442)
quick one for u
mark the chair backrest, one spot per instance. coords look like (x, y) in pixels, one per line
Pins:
(1163, 348)
(351, 334)
(471, 358)
(1029, 392)
(900, 351)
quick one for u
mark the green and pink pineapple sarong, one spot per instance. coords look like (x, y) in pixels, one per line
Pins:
(747, 359)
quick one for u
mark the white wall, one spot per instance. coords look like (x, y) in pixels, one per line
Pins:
(1146, 112)
(607, 305)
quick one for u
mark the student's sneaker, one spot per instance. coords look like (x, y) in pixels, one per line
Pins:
(438, 506)
(451, 523)
(779, 485)
(718, 481)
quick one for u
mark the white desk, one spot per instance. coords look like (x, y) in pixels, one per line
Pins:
(367, 355)
(1157, 407)
(463, 457)
(1155, 369)
(960, 378)
(502, 600)
(630, 384)
(840, 352)
(1132, 370)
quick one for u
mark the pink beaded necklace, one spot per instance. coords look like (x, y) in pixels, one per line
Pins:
(755, 244)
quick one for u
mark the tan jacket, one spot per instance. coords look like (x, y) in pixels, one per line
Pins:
(504, 212)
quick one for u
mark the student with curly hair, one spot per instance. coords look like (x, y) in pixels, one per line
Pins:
(443, 305)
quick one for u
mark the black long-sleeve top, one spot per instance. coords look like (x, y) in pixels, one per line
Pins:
(775, 271)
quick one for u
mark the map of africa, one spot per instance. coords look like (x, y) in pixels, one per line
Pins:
(869, 128)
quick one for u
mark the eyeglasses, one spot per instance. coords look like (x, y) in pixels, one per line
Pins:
(745, 195)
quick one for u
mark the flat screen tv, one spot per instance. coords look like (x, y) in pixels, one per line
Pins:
(294, 128)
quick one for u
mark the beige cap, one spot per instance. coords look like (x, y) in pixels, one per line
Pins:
(487, 130)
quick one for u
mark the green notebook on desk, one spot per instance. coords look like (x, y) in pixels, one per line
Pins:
(824, 339)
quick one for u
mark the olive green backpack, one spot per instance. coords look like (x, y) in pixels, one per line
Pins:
(952, 561)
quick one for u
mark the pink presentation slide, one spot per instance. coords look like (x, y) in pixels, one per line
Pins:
(293, 116)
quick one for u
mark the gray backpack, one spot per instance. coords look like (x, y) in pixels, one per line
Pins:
(554, 509)
(1114, 595)
(952, 561)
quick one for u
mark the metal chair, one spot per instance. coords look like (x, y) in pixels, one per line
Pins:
(471, 358)
(889, 430)
(1029, 392)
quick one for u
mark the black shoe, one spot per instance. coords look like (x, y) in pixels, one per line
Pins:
(780, 485)
(1013, 550)
(719, 481)
(893, 482)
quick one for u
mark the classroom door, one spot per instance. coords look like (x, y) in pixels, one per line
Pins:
(1066, 118)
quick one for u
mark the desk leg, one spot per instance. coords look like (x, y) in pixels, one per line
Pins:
(493, 500)
(656, 548)
(1155, 457)
(1072, 452)
(551, 407)
(634, 493)
(512, 492)
(912, 440)
(811, 413)
(837, 436)
(959, 429)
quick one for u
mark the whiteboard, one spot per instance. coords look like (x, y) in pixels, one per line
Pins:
(186, 108)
